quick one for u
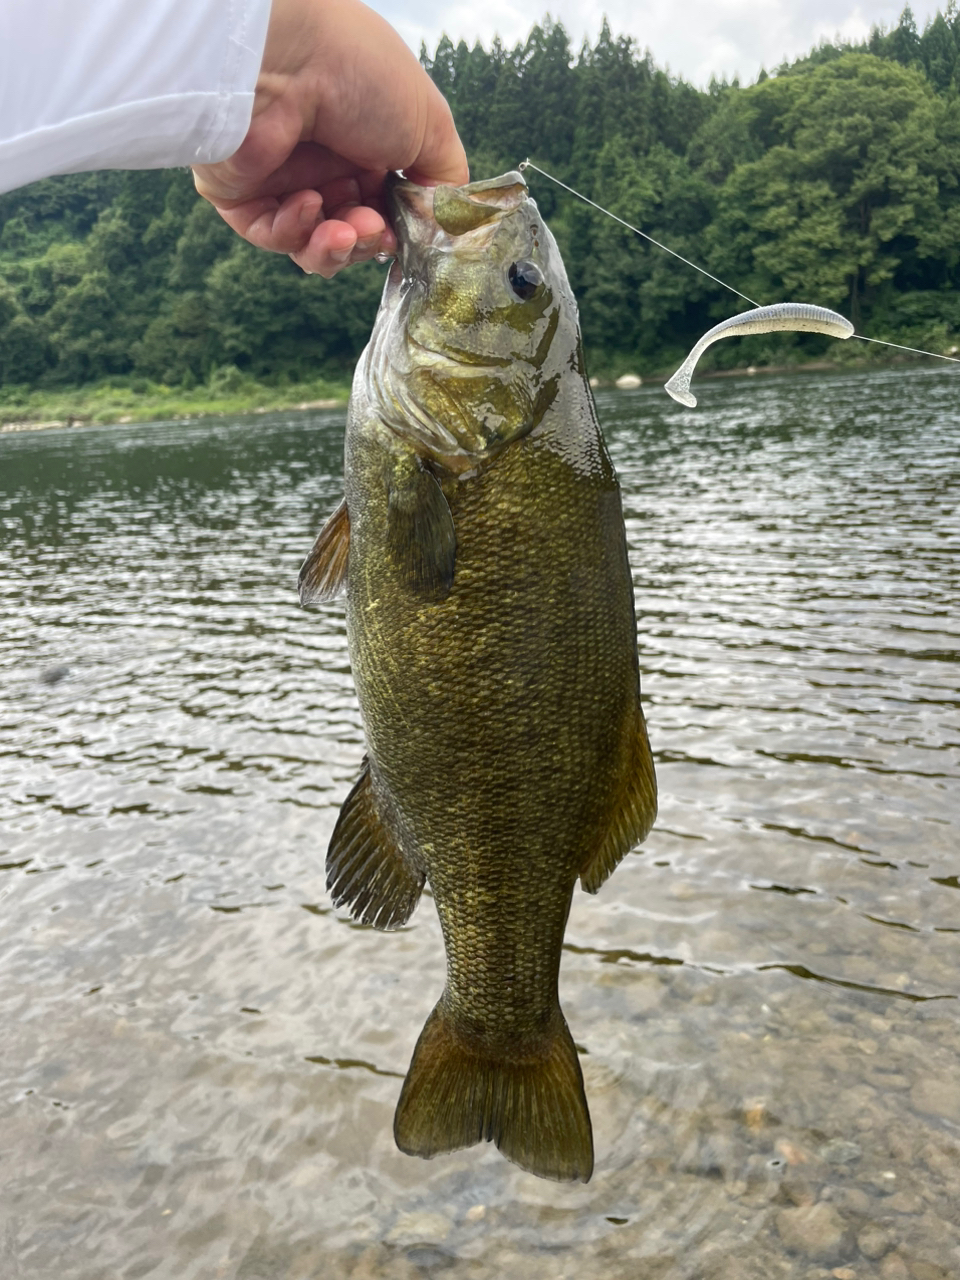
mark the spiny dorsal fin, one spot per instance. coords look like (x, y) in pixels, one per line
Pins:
(420, 532)
(633, 812)
(531, 1104)
(323, 574)
(367, 870)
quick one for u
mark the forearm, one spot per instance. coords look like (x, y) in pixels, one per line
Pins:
(290, 112)
(95, 84)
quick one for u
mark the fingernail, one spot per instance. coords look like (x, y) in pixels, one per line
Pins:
(341, 255)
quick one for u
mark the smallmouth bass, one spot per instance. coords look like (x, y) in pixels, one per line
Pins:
(492, 637)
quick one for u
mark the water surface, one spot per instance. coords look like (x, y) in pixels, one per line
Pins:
(201, 1057)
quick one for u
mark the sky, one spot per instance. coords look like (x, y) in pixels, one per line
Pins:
(695, 39)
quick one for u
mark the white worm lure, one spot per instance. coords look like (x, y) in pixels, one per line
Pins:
(800, 317)
(800, 310)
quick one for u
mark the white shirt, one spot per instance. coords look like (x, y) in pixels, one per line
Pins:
(124, 84)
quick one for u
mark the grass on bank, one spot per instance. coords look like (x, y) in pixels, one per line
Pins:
(783, 352)
(228, 390)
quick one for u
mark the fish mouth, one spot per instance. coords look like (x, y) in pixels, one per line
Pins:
(409, 206)
(425, 216)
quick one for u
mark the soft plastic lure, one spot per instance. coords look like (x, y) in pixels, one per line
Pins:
(800, 317)
(781, 309)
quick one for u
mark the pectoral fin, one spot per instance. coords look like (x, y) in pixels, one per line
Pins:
(367, 870)
(633, 812)
(323, 574)
(420, 533)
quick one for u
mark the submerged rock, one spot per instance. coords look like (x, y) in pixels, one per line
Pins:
(873, 1241)
(53, 675)
(936, 1097)
(817, 1231)
(419, 1228)
(838, 1151)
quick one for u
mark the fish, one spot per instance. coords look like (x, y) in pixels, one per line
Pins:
(493, 642)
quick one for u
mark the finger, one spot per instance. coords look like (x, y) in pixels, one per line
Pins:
(340, 193)
(370, 182)
(283, 227)
(337, 243)
(441, 157)
(329, 250)
(374, 234)
(293, 224)
(306, 165)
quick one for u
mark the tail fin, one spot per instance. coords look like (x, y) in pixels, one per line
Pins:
(533, 1107)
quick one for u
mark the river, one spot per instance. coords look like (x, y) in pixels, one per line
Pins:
(201, 1057)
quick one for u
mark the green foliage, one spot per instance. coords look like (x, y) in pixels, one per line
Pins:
(154, 284)
(139, 399)
(855, 184)
(835, 180)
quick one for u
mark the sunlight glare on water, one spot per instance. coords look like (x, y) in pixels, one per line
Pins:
(201, 1057)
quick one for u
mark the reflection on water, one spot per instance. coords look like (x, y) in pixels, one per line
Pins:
(201, 1057)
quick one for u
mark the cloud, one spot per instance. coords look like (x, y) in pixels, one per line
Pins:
(697, 39)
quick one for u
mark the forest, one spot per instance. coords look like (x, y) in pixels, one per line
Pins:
(831, 180)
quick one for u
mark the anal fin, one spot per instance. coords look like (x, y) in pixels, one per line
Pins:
(633, 811)
(323, 574)
(420, 533)
(367, 871)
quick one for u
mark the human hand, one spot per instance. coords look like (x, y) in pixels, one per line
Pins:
(340, 101)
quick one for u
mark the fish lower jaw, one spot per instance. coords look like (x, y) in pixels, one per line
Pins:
(430, 358)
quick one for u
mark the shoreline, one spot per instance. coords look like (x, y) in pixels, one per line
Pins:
(105, 405)
(751, 370)
(153, 409)
(80, 420)
(740, 371)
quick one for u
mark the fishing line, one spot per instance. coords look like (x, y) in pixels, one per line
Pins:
(900, 347)
(528, 164)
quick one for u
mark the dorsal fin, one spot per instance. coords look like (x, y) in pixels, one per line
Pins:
(633, 812)
(323, 574)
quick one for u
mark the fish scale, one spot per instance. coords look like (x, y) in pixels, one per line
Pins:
(507, 751)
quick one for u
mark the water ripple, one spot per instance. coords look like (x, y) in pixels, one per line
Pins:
(775, 971)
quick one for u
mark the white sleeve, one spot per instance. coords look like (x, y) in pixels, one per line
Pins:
(124, 84)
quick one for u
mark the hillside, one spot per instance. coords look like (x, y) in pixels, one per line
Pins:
(834, 180)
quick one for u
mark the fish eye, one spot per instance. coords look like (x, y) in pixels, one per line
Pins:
(526, 280)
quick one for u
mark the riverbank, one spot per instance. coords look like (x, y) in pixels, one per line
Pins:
(143, 401)
(230, 392)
